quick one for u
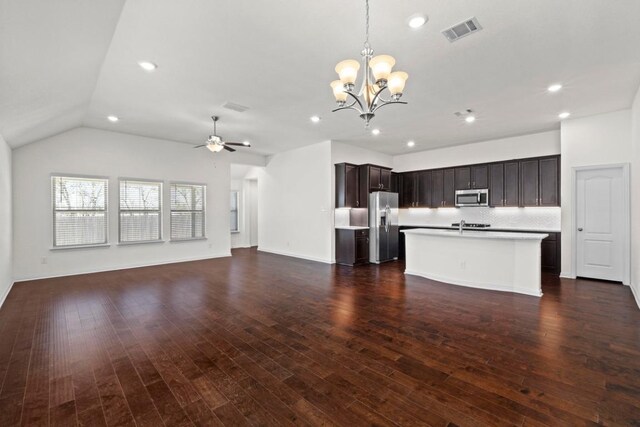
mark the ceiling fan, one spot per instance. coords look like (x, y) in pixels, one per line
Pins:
(216, 144)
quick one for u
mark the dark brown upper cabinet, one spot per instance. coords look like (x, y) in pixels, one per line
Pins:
(348, 186)
(448, 180)
(415, 189)
(496, 184)
(395, 186)
(549, 182)
(540, 181)
(424, 189)
(503, 184)
(378, 177)
(437, 188)
(442, 188)
(529, 182)
(511, 184)
(471, 177)
(463, 178)
(408, 184)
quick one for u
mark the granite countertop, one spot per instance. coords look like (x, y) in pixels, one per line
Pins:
(491, 229)
(477, 234)
(351, 227)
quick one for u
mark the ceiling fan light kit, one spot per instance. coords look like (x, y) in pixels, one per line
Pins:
(215, 144)
(378, 76)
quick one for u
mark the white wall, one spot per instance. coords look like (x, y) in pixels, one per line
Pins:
(635, 198)
(595, 140)
(295, 215)
(518, 147)
(6, 228)
(85, 151)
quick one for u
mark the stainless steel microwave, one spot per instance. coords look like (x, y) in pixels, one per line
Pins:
(472, 197)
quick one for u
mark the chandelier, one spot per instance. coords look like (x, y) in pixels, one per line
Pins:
(377, 78)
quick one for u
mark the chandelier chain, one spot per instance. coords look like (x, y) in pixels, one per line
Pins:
(366, 35)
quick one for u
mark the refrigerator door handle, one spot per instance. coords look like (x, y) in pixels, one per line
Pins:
(387, 223)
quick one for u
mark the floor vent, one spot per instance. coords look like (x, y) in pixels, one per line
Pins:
(462, 29)
(235, 107)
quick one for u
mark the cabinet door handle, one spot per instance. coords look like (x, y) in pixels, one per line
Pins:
(357, 203)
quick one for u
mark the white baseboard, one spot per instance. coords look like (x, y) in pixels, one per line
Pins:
(289, 254)
(124, 267)
(564, 275)
(474, 285)
(636, 294)
(6, 294)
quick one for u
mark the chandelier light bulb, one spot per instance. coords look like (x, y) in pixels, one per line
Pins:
(396, 83)
(381, 66)
(348, 71)
(338, 91)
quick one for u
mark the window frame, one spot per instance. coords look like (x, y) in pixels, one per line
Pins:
(237, 211)
(160, 211)
(204, 211)
(52, 177)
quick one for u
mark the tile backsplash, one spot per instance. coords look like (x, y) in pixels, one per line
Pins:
(542, 218)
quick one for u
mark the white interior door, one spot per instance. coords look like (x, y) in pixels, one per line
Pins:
(600, 223)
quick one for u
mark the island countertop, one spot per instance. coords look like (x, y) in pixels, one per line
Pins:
(477, 234)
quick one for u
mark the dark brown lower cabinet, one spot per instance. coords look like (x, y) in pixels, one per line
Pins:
(550, 253)
(352, 246)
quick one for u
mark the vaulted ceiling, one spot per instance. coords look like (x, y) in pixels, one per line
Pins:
(70, 63)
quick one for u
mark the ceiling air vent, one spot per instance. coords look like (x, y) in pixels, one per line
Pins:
(462, 29)
(235, 107)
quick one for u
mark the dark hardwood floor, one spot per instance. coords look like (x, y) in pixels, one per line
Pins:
(261, 339)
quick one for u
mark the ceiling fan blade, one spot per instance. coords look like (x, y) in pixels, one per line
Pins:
(229, 148)
(239, 144)
(200, 146)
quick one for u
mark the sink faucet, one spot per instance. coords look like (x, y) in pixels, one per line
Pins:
(461, 225)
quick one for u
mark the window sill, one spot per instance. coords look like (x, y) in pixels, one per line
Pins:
(145, 242)
(195, 239)
(64, 248)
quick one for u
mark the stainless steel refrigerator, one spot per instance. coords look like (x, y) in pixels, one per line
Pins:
(383, 226)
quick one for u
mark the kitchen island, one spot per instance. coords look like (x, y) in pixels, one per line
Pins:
(479, 259)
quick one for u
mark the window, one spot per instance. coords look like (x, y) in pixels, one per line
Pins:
(79, 211)
(140, 211)
(234, 212)
(187, 211)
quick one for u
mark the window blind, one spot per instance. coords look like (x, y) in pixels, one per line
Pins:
(140, 211)
(187, 211)
(234, 211)
(79, 211)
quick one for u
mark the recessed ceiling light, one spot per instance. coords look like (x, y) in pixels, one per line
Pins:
(113, 118)
(375, 132)
(554, 87)
(470, 119)
(147, 66)
(315, 119)
(247, 143)
(417, 21)
(411, 144)
(564, 115)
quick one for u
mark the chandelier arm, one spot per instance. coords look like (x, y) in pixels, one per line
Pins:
(348, 107)
(388, 103)
(376, 97)
(356, 99)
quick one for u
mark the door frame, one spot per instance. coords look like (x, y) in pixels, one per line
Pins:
(626, 217)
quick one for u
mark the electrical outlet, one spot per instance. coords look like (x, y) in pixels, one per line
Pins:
(210, 245)
(43, 260)
(463, 265)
